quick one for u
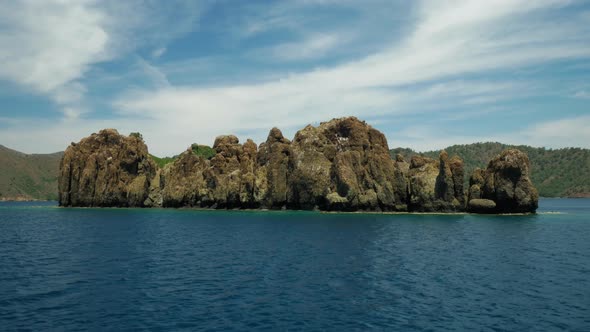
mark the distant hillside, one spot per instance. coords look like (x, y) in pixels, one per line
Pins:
(28, 176)
(555, 172)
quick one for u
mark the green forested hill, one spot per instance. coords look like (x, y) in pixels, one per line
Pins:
(28, 176)
(555, 172)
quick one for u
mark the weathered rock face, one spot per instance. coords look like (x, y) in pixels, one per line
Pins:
(273, 169)
(479, 205)
(106, 169)
(476, 182)
(422, 181)
(344, 165)
(183, 182)
(401, 184)
(226, 181)
(436, 186)
(341, 165)
(506, 183)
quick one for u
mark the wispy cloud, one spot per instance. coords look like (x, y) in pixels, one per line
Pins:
(48, 46)
(454, 56)
(451, 39)
(37, 37)
(158, 52)
(157, 78)
(569, 132)
(313, 47)
(582, 94)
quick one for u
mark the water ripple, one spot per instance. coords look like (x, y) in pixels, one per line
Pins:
(126, 269)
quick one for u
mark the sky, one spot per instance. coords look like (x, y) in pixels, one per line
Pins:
(428, 74)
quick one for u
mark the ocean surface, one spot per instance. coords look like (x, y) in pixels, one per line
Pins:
(168, 270)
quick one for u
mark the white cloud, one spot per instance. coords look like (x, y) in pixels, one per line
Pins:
(451, 39)
(582, 94)
(569, 132)
(157, 78)
(313, 47)
(158, 52)
(416, 74)
(48, 46)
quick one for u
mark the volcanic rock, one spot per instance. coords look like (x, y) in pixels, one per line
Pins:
(479, 205)
(340, 165)
(183, 182)
(273, 168)
(422, 181)
(401, 183)
(476, 182)
(106, 169)
(436, 186)
(507, 183)
(343, 164)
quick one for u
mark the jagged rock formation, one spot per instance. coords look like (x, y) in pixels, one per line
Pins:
(422, 181)
(436, 186)
(105, 169)
(340, 165)
(226, 181)
(271, 186)
(504, 187)
(343, 165)
(401, 185)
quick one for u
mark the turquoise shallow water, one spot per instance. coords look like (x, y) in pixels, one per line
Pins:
(133, 269)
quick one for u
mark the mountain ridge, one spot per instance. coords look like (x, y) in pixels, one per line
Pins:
(28, 176)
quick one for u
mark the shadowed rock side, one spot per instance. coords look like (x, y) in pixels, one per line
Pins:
(105, 169)
(436, 186)
(274, 167)
(340, 165)
(504, 186)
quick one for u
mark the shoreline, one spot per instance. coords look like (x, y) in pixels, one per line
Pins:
(187, 208)
(54, 200)
(455, 213)
(26, 200)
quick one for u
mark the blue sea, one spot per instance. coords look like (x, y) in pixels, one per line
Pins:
(68, 269)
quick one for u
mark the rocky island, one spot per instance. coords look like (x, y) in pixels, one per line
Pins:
(340, 165)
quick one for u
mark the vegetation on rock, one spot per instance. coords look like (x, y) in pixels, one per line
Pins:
(203, 150)
(161, 162)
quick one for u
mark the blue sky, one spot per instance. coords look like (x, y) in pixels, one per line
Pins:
(427, 73)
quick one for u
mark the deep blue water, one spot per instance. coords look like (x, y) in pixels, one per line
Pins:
(133, 269)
